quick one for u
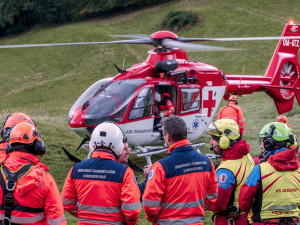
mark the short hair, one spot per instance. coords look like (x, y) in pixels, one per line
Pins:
(175, 127)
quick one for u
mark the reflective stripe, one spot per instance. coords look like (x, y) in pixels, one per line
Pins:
(127, 219)
(99, 209)
(183, 205)
(56, 221)
(283, 207)
(190, 220)
(241, 120)
(230, 117)
(100, 221)
(74, 211)
(21, 220)
(211, 196)
(151, 203)
(69, 201)
(131, 206)
(242, 126)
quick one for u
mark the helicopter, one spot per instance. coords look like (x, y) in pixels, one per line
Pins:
(195, 88)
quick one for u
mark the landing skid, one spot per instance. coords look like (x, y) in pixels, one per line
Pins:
(148, 151)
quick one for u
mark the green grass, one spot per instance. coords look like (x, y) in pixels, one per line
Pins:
(45, 82)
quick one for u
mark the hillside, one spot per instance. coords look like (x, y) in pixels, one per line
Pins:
(45, 82)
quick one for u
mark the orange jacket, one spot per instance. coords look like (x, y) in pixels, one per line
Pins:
(101, 190)
(2, 150)
(37, 190)
(234, 112)
(166, 106)
(179, 186)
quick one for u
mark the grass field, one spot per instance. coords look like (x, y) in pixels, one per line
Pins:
(45, 82)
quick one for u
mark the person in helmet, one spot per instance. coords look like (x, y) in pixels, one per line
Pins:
(272, 188)
(11, 121)
(164, 108)
(28, 193)
(100, 190)
(181, 185)
(284, 120)
(235, 166)
(233, 111)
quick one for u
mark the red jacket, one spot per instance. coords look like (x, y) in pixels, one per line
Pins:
(36, 190)
(179, 186)
(2, 150)
(101, 190)
(166, 106)
(234, 112)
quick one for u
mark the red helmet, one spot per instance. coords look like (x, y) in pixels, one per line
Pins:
(282, 119)
(165, 94)
(26, 133)
(234, 99)
(11, 121)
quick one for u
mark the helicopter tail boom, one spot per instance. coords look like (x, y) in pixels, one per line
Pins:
(284, 71)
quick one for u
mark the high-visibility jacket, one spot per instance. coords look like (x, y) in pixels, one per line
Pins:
(166, 106)
(2, 150)
(102, 191)
(232, 172)
(275, 186)
(36, 196)
(234, 112)
(179, 186)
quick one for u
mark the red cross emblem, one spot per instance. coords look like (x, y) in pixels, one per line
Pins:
(209, 104)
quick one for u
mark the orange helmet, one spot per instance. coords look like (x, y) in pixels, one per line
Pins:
(11, 121)
(234, 99)
(26, 133)
(282, 119)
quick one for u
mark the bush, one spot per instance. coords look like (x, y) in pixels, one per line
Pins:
(177, 20)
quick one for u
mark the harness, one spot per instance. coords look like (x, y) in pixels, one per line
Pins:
(281, 221)
(8, 187)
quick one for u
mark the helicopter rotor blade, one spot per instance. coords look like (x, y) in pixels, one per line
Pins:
(186, 40)
(133, 36)
(194, 47)
(138, 41)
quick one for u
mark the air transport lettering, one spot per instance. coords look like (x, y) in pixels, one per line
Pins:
(139, 131)
(293, 43)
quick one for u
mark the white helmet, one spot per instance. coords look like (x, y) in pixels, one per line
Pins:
(157, 96)
(109, 136)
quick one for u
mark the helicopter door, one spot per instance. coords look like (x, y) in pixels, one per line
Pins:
(189, 107)
(140, 118)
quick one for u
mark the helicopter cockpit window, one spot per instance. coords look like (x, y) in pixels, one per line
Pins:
(190, 100)
(111, 103)
(88, 94)
(143, 104)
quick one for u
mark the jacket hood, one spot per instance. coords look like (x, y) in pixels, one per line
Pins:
(237, 151)
(15, 160)
(285, 160)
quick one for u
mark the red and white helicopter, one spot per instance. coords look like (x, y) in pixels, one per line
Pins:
(196, 88)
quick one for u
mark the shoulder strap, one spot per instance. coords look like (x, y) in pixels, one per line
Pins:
(8, 188)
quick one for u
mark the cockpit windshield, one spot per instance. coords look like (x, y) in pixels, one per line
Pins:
(111, 103)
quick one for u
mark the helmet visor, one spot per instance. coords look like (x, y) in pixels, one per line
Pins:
(212, 129)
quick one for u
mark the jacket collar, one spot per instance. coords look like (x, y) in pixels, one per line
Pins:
(103, 154)
(175, 146)
(237, 151)
(284, 160)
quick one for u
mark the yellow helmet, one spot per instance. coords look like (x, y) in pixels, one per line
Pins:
(226, 129)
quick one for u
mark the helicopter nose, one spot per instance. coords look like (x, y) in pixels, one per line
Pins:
(77, 119)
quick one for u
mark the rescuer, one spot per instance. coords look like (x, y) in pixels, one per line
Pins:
(284, 120)
(234, 112)
(11, 121)
(100, 190)
(273, 189)
(232, 172)
(164, 108)
(181, 184)
(28, 193)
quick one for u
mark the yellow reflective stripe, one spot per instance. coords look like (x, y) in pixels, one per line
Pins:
(99, 209)
(283, 207)
(131, 206)
(69, 201)
(56, 221)
(32, 219)
(151, 203)
(183, 205)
